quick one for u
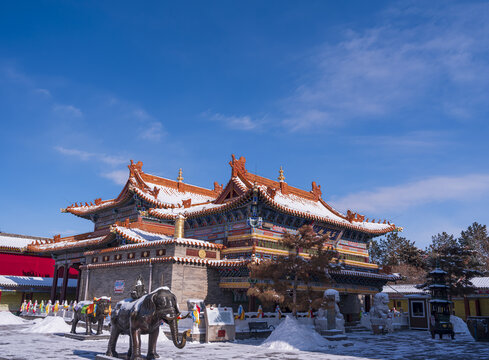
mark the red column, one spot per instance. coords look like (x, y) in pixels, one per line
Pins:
(54, 286)
(367, 303)
(467, 307)
(65, 283)
(477, 307)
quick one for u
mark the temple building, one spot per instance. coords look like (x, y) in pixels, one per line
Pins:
(199, 241)
(25, 275)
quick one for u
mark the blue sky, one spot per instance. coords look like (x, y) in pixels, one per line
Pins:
(384, 104)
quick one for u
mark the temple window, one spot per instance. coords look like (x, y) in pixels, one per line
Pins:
(161, 252)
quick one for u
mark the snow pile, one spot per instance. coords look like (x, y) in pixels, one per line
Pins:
(50, 324)
(459, 326)
(7, 318)
(291, 335)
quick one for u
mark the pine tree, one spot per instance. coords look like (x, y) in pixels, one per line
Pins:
(458, 259)
(395, 250)
(278, 280)
(476, 238)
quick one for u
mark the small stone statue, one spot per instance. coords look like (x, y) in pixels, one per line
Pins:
(335, 317)
(138, 289)
(379, 314)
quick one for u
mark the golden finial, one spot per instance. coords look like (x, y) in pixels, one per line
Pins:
(180, 177)
(281, 176)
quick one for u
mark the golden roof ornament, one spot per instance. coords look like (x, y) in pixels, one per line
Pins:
(281, 176)
(180, 176)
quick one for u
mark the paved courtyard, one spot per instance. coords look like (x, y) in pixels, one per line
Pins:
(412, 345)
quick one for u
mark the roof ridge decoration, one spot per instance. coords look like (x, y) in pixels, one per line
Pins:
(238, 167)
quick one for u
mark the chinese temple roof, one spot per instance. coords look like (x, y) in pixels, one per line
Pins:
(16, 242)
(139, 236)
(174, 259)
(73, 243)
(279, 195)
(8, 281)
(136, 234)
(158, 191)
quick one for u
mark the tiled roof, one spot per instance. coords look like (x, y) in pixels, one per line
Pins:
(8, 281)
(292, 203)
(175, 259)
(481, 282)
(71, 242)
(403, 289)
(145, 238)
(156, 190)
(17, 242)
(478, 282)
(389, 277)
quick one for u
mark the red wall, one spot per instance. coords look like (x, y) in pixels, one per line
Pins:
(23, 265)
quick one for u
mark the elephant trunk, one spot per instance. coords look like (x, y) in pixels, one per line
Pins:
(174, 334)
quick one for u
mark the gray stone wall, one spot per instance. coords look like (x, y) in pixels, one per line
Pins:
(185, 280)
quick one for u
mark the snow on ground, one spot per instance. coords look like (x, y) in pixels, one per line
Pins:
(7, 318)
(50, 324)
(291, 335)
(459, 326)
(401, 345)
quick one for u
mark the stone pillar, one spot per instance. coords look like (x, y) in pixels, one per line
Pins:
(78, 284)
(150, 276)
(86, 284)
(65, 283)
(54, 286)
(330, 300)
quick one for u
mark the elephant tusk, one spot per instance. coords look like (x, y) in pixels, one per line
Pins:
(169, 318)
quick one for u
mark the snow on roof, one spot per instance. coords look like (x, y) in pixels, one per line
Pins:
(32, 281)
(402, 288)
(185, 211)
(316, 208)
(480, 282)
(69, 243)
(141, 236)
(168, 195)
(180, 259)
(364, 274)
(15, 241)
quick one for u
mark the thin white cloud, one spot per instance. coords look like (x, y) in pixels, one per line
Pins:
(43, 92)
(67, 110)
(410, 141)
(244, 122)
(404, 196)
(423, 54)
(152, 130)
(117, 176)
(85, 156)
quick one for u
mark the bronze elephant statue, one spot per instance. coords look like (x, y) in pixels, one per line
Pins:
(91, 312)
(144, 316)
